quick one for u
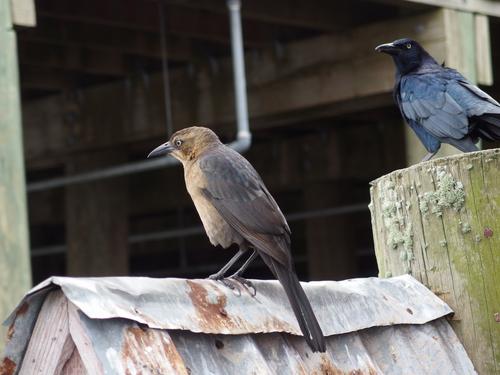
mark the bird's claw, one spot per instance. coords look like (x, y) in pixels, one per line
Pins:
(227, 282)
(246, 283)
(216, 277)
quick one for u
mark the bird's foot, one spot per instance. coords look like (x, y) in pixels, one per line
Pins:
(216, 276)
(246, 283)
(227, 282)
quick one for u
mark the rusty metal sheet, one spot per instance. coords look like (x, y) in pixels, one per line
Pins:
(20, 325)
(125, 348)
(209, 307)
(177, 326)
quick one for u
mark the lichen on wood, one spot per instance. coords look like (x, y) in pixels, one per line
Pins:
(446, 214)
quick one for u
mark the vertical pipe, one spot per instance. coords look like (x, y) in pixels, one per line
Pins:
(164, 70)
(244, 136)
(15, 273)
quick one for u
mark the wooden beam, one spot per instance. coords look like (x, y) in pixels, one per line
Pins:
(130, 14)
(23, 12)
(50, 32)
(73, 59)
(15, 273)
(308, 76)
(322, 15)
(485, 7)
(36, 78)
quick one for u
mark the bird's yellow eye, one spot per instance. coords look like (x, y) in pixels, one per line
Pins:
(178, 142)
(408, 45)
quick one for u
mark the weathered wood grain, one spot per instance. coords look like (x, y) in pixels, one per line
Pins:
(15, 274)
(50, 345)
(440, 222)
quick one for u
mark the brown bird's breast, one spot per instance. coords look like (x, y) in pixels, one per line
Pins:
(219, 232)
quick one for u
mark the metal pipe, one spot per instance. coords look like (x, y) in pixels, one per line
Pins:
(243, 136)
(164, 69)
(195, 230)
(100, 174)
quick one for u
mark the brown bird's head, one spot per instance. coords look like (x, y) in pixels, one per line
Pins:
(186, 144)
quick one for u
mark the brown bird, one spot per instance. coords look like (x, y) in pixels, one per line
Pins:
(235, 207)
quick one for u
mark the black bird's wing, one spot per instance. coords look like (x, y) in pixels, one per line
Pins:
(238, 193)
(425, 99)
(443, 102)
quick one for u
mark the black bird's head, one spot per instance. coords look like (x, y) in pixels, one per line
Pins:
(407, 54)
(186, 144)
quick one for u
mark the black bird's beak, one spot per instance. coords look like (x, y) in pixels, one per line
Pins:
(163, 149)
(388, 48)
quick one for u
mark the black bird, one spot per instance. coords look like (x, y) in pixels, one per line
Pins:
(440, 104)
(235, 207)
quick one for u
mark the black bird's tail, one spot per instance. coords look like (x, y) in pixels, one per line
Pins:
(300, 304)
(488, 126)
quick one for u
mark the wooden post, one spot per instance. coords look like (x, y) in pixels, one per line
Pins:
(15, 273)
(440, 222)
(97, 220)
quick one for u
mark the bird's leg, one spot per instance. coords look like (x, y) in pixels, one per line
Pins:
(237, 274)
(220, 275)
(428, 156)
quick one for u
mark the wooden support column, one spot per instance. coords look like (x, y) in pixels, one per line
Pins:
(329, 246)
(330, 249)
(97, 220)
(15, 273)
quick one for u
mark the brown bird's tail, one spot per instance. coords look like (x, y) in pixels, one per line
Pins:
(300, 304)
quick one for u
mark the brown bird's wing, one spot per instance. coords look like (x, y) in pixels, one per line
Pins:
(238, 193)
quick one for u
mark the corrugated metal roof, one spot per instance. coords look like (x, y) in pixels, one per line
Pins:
(164, 326)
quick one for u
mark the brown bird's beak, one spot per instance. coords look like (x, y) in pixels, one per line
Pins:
(388, 48)
(163, 149)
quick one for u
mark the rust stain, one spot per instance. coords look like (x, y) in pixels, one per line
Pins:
(174, 357)
(328, 368)
(8, 366)
(11, 331)
(369, 371)
(23, 309)
(273, 324)
(212, 315)
(150, 351)
(300, 370)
